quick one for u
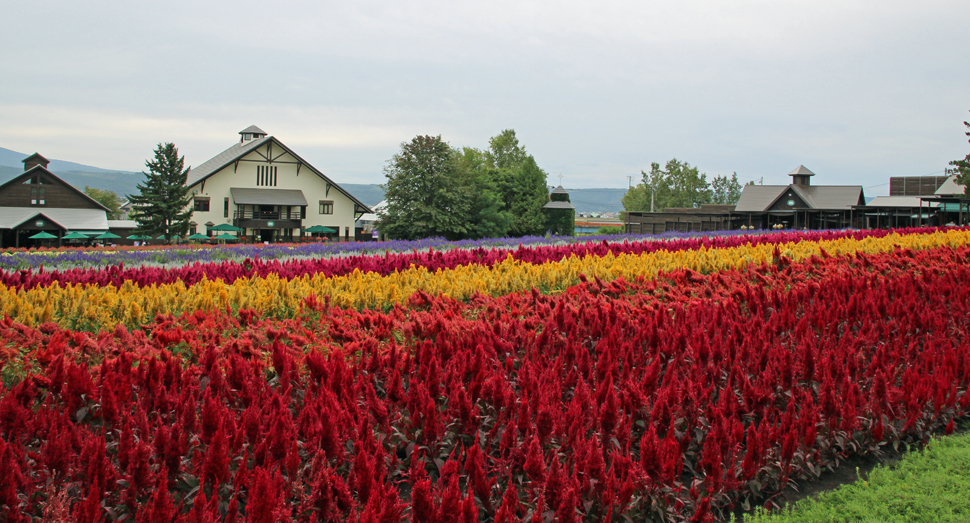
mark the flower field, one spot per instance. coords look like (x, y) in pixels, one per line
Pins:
(626, 381)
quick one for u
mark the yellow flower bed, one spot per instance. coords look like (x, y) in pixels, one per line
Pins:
(94, 307)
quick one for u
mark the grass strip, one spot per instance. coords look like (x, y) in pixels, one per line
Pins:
(931, 485)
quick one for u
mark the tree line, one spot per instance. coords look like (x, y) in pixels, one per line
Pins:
(434, 189)
(678, 184)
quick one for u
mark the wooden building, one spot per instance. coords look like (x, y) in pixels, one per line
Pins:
(39, 201)
(799, 205)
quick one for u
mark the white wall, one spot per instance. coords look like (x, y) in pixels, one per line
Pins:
(314, 188)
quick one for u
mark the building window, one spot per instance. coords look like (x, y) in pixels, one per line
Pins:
(225, 208)
(326, 207)
(38, 195)
(266, 175)
(202, 205)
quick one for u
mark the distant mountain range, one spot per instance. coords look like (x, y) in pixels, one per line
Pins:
(124, 183)
(76, 174)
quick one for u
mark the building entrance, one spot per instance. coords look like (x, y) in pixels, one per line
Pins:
(266, 235)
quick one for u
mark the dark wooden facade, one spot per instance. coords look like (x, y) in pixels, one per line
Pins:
(23, 190)
(34, 198)
(704, 218)
(915, 185)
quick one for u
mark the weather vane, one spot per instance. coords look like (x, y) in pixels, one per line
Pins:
(560, 178)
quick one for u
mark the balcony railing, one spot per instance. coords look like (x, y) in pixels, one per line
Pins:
(268, 215)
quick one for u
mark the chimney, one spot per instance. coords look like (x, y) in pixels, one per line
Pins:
(34, 160)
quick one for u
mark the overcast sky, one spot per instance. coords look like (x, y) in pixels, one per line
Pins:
(855, 91)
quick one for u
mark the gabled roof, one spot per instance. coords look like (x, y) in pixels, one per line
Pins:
(70, 219)
(757, 198)
(33, 170)
(831, 197)
(950, 186)
(559, 190)
(238, 150)
(36, 157)
(223, 159)
(252, 129)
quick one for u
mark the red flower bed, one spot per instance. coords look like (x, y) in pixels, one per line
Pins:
(670, 399)
(230, 271)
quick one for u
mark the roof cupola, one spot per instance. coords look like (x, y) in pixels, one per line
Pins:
(34, 160)
(801, 176)
(251, 133)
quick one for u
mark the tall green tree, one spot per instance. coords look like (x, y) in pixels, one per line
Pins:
(516, 179)
(107, 198)
(427, 192)
(961, 168)
(724, 190)
(162, 206)
(677, 184)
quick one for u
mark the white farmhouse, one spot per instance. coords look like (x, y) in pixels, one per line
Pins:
(263, 187)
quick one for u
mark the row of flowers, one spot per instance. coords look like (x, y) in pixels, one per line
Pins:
(177, 255)
(665, 399)
(97, 307)
(314, 263)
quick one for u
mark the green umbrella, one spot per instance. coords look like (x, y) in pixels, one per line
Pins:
(319, 228)
(225, 227)
(107, 236)
(160, 237)
(138, 237)
(76, 236)
(198, 236)
(225, 236)
(43, 236)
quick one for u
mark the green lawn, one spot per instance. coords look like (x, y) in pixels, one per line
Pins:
(932, 485)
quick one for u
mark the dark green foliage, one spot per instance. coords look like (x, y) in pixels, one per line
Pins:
(724, 190)
(516, 178)
(162, 207)
(561, 222)
(435, 190)
(427, 192)
(680, 185)
(610, 229)
(961, 168)
(107, 198)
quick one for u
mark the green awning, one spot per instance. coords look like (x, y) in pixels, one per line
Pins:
(951, 207)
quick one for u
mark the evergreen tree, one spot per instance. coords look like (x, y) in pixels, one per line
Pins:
(162, 206)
